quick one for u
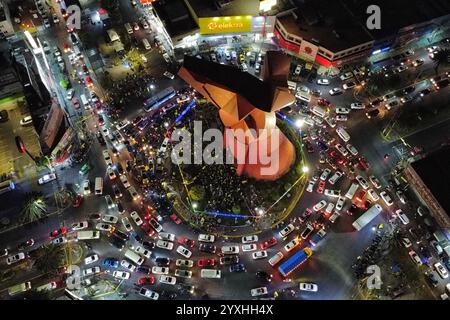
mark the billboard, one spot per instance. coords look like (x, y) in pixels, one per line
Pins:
(221, 25)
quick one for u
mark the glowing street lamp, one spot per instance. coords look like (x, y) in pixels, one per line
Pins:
(299, 123)
(305, 169)
(194, 205)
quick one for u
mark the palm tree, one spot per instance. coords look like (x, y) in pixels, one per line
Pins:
(442, 57)
(51, 258)
(34, 207)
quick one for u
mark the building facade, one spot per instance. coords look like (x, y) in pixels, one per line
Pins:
(6, 27)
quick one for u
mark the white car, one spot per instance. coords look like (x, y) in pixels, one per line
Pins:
(341, 117)
(125, 182)
(335, 177)
(386, 198)
(297, 70)
(206, 238)
(339, 204)
(55, 19)
(402, 216)
(334, 217)
(352, 149)
(287, 230)
(362, 182)
(310, 186)
(104, 227)
(142, 251)
(230, 249)
(47, 178)
(250, 239)
(346, 76)
(320, 205)
(415, 257)
(341, 149)
(149, 293)
(160, 270)
(335, 91)
(111, 204)
(107, 158)
(184, 263)
(164, 244)
(123, 275)
(166, 236)
(91, 259)
(401, 196)
(406, 242)
(183, 273)
(80, 225)
(69, 94)
(291, 245)
(128, 265)
(259, 255)
(440, 269)
(325, 174)
(249, 247)
(86, 187)
(15, 258)
(126, 224)
(134, 194)
(184, 252)
(91, 271)
(349, 85)
(373, 195)
(376, 183)
(357, 106)
(110, 219)
(26, 121)
(59, 240)
(331, 121)
(329, 208)
(135, 216)
(311, 287)
(168, 280)
(111, 173)
(169, 75)
(258, 291)
(46, 23)
(323, 82)
(332, 193)
(341, 110)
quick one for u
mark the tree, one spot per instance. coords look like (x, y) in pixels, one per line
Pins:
(442, 57)
(197, 193)
(50, 260)
(34, 207)
(134, 58)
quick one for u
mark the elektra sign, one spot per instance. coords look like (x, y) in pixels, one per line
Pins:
(218, 25)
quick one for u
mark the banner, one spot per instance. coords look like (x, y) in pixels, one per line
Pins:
(221, 25)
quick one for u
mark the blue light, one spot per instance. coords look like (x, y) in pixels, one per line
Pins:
(230, 215)
(282, 116)
(189, 107)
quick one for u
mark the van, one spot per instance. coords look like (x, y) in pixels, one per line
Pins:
(85, 102)
(318, 111)
(99, 186)
(276, 258)
(133, 256)
(146, 44)
(128, 28)
(88, 235)
(343, 134)
(210, 273)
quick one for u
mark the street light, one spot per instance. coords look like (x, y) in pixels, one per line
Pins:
(194, 205)
(299, 123)
(305, 169)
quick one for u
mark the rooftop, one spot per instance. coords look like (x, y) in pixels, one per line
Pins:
(176, 16)
(210, 8)
(434, 170)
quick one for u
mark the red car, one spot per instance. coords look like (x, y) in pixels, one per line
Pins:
(321, 186)
(78, 201)
(76, 103)
(360, 195)
(206, 262)
(323, 102)
(335, 155)
(364, 164)
(187, 242)
(88, 81)
(147, 229)
(66, 48)
(175, 219)
(58, 232)
(146, 280)
(269, 243)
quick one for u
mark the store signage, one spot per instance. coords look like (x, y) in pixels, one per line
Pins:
(220, 25)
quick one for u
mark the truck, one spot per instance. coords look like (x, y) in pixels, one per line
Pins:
(294, 261)
(317, 237)
(367, 216)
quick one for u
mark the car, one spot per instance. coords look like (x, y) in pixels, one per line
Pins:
(91, 271)
(402, 216)
(144, 291)
(156, 225)
(26, 244)
(406, 242)
(307, 231)
(46, 23)
(26, 121)
(335, 177)
(287, 230)
(372, 113)
(86, 187)
(15, 258)
(169, 75)
(418, 62)
(168, 279)
(111, 174)
(229, 259)
(297, 70)
(321, 186)
(250, 239)
(117, 192)
(357, 106)
(206, 263)
(134, 194)
(184, 241)
(58, 232)
(258, 291)
(373, 195)
(307, 286)
(437, 247)
(415, 257)
(325, 174)
(104, 227)
(46, 178)
(392, 103)
(184, 252)
(431, 278)
(127, 265)
(401, 68)
(310, 186)
(346, 76)
(143, 252)
(269, 243)
(111, 263)
(291, 245)
(126, 224)
(386, 198)
(110, 219)
(362, 182)
(175, 218)
(320, 205)
(323, 82)
(339, 204)
(230, 249)
(341, 110)
(441, 270)
(149, 245)
(184, 263)
(136, 218)
(335, 91)
(107, 158)
(207, 247)
(124, 181)
(424, 92)
(239, 267)
(339, 147)
(146, 281)
(164, 244)
(259, 255)
(401, 196)
(349, 85)
(79, 225)
(376, 183)
(249, 247)
(91, 259)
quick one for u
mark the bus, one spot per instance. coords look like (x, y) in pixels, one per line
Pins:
(133, 256)
(352, 190)
(6, 186)
(155, 102)
(367, 216)
(85, 102)
(294, 261)
(99, 185)
(19, 288)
